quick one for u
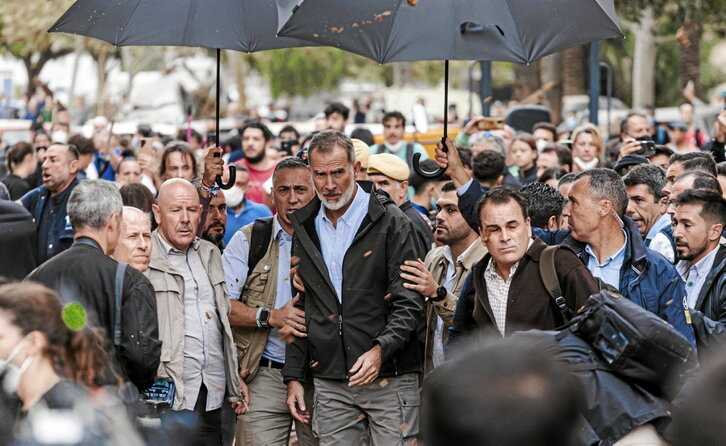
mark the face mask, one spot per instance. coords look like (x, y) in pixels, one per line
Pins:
(541, 143)
(59, 136)
(234, 196)
(11, 374)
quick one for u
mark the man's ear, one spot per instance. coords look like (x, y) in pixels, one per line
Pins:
(715, 231)
(552, 223)
(74, 166)
(157, 213)
(356, 168)
(663, 205)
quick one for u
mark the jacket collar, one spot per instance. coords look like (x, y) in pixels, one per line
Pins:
(719, 265)
(303, 221)
(635, 252)
(635, 248)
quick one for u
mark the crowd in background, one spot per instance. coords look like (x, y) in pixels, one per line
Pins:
(184, 290)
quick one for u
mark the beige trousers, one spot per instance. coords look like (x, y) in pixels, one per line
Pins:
(268, 421)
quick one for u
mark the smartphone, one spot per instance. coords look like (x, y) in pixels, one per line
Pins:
(490, 124)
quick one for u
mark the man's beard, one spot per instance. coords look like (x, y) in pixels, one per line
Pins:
(257, 158)
(342, 201)
(453, 236)
(214, 237)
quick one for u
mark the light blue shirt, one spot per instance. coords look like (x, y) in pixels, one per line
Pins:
(609, 270)
(335, 240)
(235, 274)
(694, 275)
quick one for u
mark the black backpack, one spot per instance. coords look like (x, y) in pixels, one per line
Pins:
(259, 241)
(635, 343)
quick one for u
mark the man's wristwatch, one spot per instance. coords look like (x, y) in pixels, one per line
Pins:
(441, 293)
(263, 317)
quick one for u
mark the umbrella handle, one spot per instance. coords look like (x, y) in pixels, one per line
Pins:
(433, 174)
(232, 177)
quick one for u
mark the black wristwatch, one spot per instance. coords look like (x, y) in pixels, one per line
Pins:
(263, 317)
(441, 293)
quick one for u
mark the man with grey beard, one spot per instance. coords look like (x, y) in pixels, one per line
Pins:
(362, 348)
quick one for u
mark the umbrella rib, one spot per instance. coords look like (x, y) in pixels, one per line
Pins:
(388, 35)
(125, 27)
(516, 33)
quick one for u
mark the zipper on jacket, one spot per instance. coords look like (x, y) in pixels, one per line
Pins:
(342, 341)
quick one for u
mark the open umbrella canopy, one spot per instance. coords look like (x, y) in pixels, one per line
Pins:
(242, 25)
(407, 30)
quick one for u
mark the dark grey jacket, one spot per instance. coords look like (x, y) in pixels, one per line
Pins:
(376, 308)
(709, 314)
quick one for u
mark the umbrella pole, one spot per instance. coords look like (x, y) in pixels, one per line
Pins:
(232, 176)
(417, 156)
(446, 101)
(216, 119)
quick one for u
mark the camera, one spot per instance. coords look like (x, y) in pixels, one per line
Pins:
(287, 146)
(647, 147)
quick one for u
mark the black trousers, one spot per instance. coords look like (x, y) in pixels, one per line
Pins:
(209, 423)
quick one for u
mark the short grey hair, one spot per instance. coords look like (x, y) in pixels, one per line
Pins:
(606, 184)
(327, 140)
(92, 203)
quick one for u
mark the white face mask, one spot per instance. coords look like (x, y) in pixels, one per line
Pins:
(234, 196)
(60, 136)
(11, 374)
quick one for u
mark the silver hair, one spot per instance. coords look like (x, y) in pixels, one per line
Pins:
(497, 142)
(606, 184)
(327, 140)
(92, 203)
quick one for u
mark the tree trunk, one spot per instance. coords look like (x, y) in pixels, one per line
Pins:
(574, 67)
(101, 87)
(402, 74)
(235, 59)
(689, 60)
(644, 54)
(526, 80)
(551, 67)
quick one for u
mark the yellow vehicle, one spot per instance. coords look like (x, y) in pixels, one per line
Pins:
(428, 139)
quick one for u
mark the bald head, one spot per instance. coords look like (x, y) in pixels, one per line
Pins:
(174, 187)
(134, 244)
(177, 213)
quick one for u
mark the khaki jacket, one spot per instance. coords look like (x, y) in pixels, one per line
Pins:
(169, 288)
(437, 264)
(260, 290)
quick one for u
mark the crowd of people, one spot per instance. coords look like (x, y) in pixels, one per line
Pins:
(328, 293)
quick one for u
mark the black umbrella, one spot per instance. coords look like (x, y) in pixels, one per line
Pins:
(241, 25)
(500, 30)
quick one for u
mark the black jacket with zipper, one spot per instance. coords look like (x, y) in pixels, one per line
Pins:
(376, 308)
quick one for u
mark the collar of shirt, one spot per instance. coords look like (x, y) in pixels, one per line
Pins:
(700, 268)
(168, 249)
(661, 223)
(491, 271)
(357, 207)
(616, 258)
(280, 234)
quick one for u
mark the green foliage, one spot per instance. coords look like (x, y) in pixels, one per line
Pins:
(302, 71)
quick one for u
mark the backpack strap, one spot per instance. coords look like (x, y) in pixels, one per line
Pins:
(551, 281)
(259, 241)
(118, 292)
